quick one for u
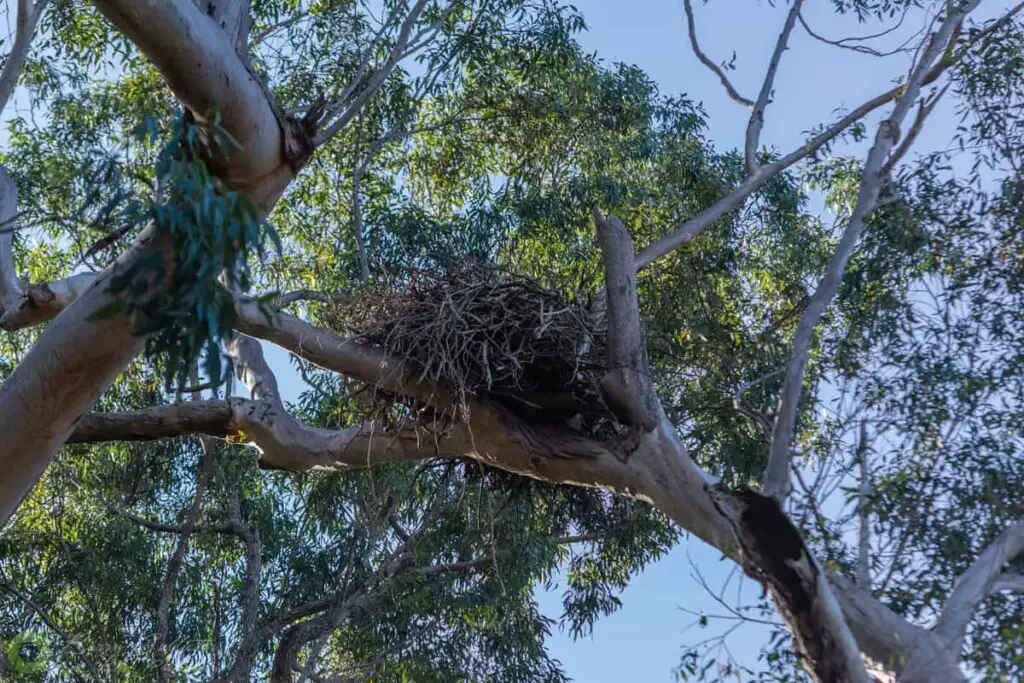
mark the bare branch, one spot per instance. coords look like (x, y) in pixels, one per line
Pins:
(357, 209)
(776, 480)
(851, 42)
(715, 69)
(346, 111)
(247, 631)
(28, 15)
(267, 31)
(310, 295)
(43, 301)
(756, 122)
(212, 418)
(1013, 583)
(763, 174)
(163, 527)
(10, 288)
(977, 583)
(627, 384)
(772, 550)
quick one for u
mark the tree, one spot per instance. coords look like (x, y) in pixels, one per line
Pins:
(407, 203)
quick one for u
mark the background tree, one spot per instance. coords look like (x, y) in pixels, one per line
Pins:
(406, 198)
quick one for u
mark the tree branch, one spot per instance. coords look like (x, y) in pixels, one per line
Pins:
(627, 383)
(248, 639)
(202, 67)
(40, 302)
(763, 174)
(345, 111)
(756, 122)
(28, 15)
(892, 644)
(212, 418)
(977, 583)
(1010, 582)
(10, 288)
(53, 626)
(776, 481)
(772, 550)
(715, 69)
(863, 498)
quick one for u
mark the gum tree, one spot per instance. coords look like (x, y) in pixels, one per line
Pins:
(317, 176)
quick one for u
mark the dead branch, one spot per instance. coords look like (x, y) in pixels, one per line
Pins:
(627, 384)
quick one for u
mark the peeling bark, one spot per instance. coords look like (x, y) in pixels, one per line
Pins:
(772, 550)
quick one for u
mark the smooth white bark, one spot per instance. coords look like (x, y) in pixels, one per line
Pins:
(977, 583)
(10, 288)
(37, 303)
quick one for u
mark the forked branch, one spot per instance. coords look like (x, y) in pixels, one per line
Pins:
(978, 582)
(693, 227)
(756, 122)
(776, 481)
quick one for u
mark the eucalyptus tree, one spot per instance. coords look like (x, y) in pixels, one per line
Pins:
(406, 197)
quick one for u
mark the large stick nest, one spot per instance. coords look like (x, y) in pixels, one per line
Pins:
(481, 332)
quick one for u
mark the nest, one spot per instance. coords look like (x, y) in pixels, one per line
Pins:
(486, 334)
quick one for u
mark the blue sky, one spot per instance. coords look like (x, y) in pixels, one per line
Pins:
(644, 640)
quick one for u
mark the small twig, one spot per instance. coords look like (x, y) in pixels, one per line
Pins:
(715, 69)
(864, 49)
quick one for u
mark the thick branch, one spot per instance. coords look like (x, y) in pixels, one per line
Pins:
(891, 643)
(772, 550)
(1009, 582)
(201, 65)
(212, 418)
(62, 375)
(756, 122)
(234, 17)
(977, 583)
(627, 384)
(40, 302)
